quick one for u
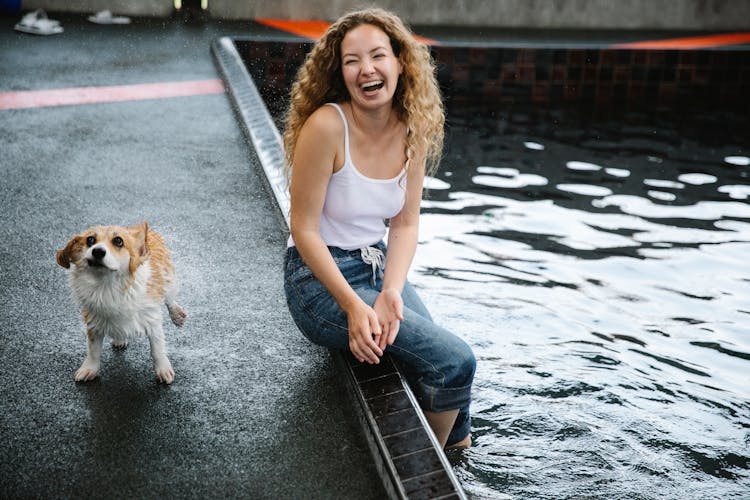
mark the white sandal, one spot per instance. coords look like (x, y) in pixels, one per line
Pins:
(106, 17)
(37, 23)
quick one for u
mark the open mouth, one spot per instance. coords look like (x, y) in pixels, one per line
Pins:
(373, 86)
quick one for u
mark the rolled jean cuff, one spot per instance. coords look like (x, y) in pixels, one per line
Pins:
(439, 399)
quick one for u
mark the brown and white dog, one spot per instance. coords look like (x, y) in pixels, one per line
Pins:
(121, 277)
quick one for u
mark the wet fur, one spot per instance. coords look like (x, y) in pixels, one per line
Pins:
(120, 277)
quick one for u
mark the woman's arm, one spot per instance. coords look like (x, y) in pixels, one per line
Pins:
(315, 155)
(402, 244)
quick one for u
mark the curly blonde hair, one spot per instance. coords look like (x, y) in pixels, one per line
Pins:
(417, 99)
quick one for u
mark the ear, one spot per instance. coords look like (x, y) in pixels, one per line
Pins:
(140, 237)
(63, 256)
(143, 251)
(139, 252)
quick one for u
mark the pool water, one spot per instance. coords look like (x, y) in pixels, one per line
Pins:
(599, 269)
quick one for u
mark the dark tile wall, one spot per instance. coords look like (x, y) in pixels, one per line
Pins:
(273, 67)
(596, 76)
(616, 78)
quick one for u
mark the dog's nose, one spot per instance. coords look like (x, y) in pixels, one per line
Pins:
(98, 253)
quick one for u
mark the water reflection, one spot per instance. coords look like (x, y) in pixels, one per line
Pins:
(600, 273)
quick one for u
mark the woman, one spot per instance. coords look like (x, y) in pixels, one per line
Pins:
(367, 96)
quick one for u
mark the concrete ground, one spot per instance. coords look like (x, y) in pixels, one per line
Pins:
(255, 410)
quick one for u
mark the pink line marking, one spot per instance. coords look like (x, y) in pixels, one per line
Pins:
(117, 93)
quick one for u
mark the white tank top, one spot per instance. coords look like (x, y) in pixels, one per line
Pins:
(356, 206)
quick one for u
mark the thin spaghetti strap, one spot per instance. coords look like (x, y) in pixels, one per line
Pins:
(347, 156)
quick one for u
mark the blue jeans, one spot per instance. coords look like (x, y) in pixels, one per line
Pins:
(438, 365)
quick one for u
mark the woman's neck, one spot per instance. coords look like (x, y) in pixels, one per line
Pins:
(373, 122)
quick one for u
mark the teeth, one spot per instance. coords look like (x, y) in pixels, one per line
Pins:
(371, 85)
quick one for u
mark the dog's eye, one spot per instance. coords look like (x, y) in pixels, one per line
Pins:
(117, 241)
(90, 241)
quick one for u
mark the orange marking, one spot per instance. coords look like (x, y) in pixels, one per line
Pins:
(314, 29)
(699, 42)
(305, 29)
(117, 93)
(426, 41)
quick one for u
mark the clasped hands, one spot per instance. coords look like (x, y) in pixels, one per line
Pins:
(371, 329)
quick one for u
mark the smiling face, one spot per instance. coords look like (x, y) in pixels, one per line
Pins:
(369, 67)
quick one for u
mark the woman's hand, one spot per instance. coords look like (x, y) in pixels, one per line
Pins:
(389, 307)
(363, 329)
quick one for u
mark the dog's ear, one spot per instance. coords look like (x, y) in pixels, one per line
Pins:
(140, 239)
(140, 251)
(140, 233)
(144, 247)
(63, 256)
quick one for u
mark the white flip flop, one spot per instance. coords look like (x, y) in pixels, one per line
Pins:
(37, 23)
(106, 17)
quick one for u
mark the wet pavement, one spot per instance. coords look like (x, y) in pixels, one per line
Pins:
(255, 410)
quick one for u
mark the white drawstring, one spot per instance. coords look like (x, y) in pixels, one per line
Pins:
(375, 257)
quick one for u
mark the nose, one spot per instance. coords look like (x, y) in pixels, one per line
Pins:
(98, 253)
(367, 66)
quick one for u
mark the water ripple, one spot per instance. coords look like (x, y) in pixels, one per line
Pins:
(600, 273)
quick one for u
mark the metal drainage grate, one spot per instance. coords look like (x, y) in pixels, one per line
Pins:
(411, 462)
(408, 457)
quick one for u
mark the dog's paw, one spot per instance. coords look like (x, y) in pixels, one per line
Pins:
(178, 314)
(119, 344)
(87, 372)
(164, 371)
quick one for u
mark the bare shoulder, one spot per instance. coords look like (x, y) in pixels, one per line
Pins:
(320, 142)
(326, 121)
(322, 137)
